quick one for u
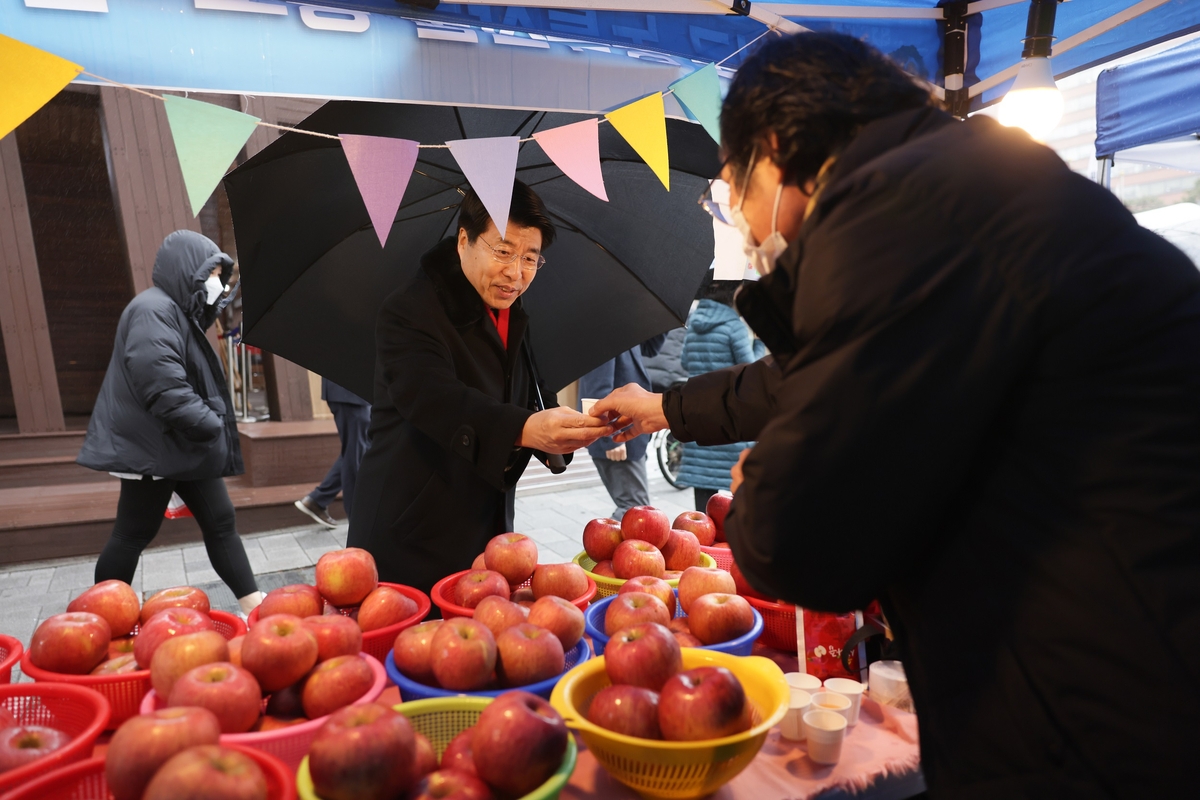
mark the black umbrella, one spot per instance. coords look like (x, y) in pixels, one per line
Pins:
(314, 275)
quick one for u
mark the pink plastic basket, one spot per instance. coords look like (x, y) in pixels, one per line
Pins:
(78, 712)
(11, 651)
(779, 624)
(722, 555)
(290, 745)
(443, 593)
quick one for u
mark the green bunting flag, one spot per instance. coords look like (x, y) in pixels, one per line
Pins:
(207, 140)
(700, 94)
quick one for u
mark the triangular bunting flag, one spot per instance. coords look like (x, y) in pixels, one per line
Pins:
(490, 165)
(29, 77)
(207, 140)
(643, 123)
(575, 149)
(700, 94)
(381, 167)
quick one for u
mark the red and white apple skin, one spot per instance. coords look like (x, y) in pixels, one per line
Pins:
(451, 784)
(297, 599)
(523, 596)
(208, 772)
(336, 636)
(673, 575)
(561, 618)
(229, 692)
(363, 752)
(73, 643)
(742, 586)
(567, 581)
(601, 537)
(476, 584)
(644, 655)
(629, 710)
(235, 649)
(717, 509)
(634, 608)
(144, 743)
(175, 597)
(181, 654)
(698, 523)
(413, 651)
(457, 754)
(279, 651)
(519, 743)
(424, 759)
(697, 581)
(479, 562)
(682, 550)
(498, 614)
(26, 743)
(655, 586)
(114, 600)
(463, 655)
(117, 666)
(164, 625)
(635, 558)
(513, 555)
(647, 524)
(720, 617)
(687, 639)
(334, 684)
(604, 569)
(385, 606)
(702, 703)
(120, 647)
(528, 654)
(346, 576)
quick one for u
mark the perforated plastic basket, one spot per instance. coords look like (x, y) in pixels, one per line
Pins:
(607, 587)
(593, 622)
(11, 651)
(722, 555)
(412, 690)
(779, 624)
(79, 712)
(443, 596)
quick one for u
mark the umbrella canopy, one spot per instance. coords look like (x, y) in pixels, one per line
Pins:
(314, 275)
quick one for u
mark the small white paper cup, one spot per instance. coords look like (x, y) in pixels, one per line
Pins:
(586, 403)
(826, 730)
(792, 726)
(832, 701)
(852, 690)
(803, 681)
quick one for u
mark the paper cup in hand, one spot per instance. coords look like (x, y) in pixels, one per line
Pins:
(792, 726)
(586, 403)
(852, 690)
(826, 730)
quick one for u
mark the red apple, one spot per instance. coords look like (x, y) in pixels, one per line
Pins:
(519, 743)
(297, 599)
(742, 586)
(601, 537)
(424, 759)
(717, 509)
(644, 655)
(698, 523)
(719, 617)
(457, 754)
(385, 606)
(164, 625)
(673, 575)
(279, 651)
(345, 577)
(25, 743)
(235, 649)
(567, 581)
(334, 684)
(682, 550)
(463, 654)
(479, 562)
(175, 597)
(635, 557)
(687, 639)
(499, 614)
(655, 586)
(477, 584)
(528, 654)
(208, 772)
(523, 596)
(703, 580)
(144, 743)
(114, 600)
(630, 710)
(120, 647)
(287, 703)
(634, 608)
(268, 723)
(513, 555)
(72, 643)
(336, 635)
(679, 625)
(181, 654)
(647, 524)
(604, 569)
(559, 617)
(363, 752)
(702, 703)
(451, 784)
(230, 692)
(117, 666)
(413, 651)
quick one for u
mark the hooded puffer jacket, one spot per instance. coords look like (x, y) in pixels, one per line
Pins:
(164, 408)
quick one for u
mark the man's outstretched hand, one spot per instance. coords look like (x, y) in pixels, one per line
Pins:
(633, 408)
(561, 431)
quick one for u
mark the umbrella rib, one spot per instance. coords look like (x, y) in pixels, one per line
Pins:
(458, 118)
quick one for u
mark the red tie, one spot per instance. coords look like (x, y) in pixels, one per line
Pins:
(500, 318)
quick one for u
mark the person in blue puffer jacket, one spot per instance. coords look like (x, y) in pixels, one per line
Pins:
(716, 338)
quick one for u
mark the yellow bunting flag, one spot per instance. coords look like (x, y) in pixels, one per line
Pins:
(643, 123)
(29, 77)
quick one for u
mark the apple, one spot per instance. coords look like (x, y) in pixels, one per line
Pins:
(363, 752)
(267, 723)
(696, 581)
(208, 771)
(457, 754)
(513, 555)
(180, 654)
(235, 649)
(384, 606)
(644, 655)
(679, 625)
(117, 666)
(463, 654)
(702, 703)
(634, 608)
(413, 651)
(567, 581)
(298, 599)
(120, 647)
(73, 643)
(519, 743)
(687, 639)
(604, 569)
(346, 576)
(334, 684)
(742, 586)
(528, 654)
(635, 557)
(479, 562)
(175, 597)
(451, 784)
(719, 617)
(230, 692)
(655, 586)
(647, 524)
(673, 575)
(279, 651)
(523, 596)
(144, 743)
(698, 523)
(631, 710)
(499, 614)
(167, 624)
(286, 703)
(717, 509)
(682, 550)
(336, 635)
(424, 759)
(114, 600)
(559, 617)
(601, 537)
(476, 584)
(25, 743)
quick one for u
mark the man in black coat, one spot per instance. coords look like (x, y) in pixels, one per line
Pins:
(983, 409)
(453, 423)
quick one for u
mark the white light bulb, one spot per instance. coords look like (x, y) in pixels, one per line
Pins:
(1034, 102)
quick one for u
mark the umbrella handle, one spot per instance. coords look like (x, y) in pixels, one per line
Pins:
(556, 463)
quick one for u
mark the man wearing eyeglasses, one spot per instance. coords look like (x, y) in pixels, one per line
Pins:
(454, 419)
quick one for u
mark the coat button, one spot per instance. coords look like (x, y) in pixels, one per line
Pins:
(466, 440)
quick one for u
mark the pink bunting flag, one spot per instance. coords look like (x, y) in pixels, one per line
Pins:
(382, 167)
(575, 149)
(490, 165)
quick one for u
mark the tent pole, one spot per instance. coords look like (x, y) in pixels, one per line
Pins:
(1104, 172)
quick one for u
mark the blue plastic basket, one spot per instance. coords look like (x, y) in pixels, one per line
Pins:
(593, 620)
(411, 690)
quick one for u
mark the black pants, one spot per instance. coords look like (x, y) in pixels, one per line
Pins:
(702, 496)
(352, 422)
(140, 515)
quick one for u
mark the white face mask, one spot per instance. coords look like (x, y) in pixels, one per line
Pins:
(214, 287)
(762, 256)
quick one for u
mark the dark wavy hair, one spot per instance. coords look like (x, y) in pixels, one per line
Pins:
(814, 91)
(526, 211)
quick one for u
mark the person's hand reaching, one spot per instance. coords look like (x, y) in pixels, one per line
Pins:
(618, 453)
(633, 408)
(561, 431)
(735, 473)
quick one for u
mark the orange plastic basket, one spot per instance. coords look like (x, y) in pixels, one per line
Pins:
(443, 591)
(779, 624)
(11, 651)
(78, 712)
(722, 555)
(125, 691)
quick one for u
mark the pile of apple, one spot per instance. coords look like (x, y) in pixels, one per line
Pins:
(345, 578)
(507, 562)
(371, 752)
(646, 543)
(707, 595)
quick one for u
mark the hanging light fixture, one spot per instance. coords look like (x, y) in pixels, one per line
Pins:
(1034, 102)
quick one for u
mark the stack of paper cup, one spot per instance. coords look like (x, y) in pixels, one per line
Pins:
(792, 726)
(826, 731)
(803, 681)
(852, 690)
(889, 686)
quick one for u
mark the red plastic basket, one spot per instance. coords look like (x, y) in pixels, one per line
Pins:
(443, 591)
(85, 780)
(11, 651)
(722, 555)
(80, 713)
(779, 624)
(290, 745)
(378, 642)
(125, 691)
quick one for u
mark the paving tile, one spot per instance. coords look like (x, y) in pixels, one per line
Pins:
(340, 535)
(200, 575)
(73, 577)
(39, 579)
(545, 535)
(12, 580)
(195, 554)
(26, 600)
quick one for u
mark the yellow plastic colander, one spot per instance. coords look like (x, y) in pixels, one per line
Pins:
(656, 768)
(607, 587)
